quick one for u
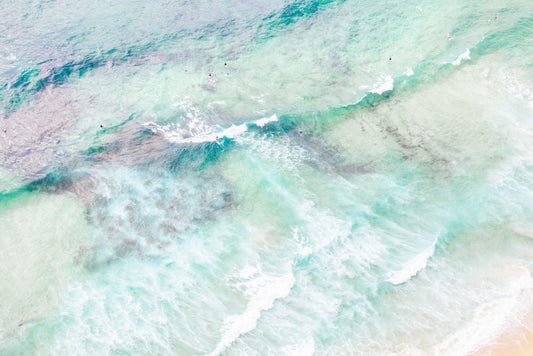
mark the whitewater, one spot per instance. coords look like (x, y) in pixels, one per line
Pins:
(283, 177)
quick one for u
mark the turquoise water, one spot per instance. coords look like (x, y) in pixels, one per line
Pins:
(265, 178)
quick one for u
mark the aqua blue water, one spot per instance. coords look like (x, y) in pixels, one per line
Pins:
(264, 177)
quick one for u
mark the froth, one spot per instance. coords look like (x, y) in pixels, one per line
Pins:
(383, 85)
(462, 57)
(205, 133)
(492, 318)
(412, 267)
(271, 288)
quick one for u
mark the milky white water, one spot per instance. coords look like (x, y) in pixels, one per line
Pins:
(264, 178)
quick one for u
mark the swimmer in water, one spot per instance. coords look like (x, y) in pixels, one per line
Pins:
(449, 37)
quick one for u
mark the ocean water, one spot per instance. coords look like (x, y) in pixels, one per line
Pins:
(289, 177)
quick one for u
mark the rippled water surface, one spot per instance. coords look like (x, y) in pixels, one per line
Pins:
(264, 177)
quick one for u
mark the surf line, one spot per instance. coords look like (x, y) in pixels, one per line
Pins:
(230, 132)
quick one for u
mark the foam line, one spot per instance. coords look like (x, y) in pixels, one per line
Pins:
(236, 325)
(386, 84)
(230, 132)
(412, 267)
(462, 56)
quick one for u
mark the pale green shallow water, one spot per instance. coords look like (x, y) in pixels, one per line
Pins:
(265, 181)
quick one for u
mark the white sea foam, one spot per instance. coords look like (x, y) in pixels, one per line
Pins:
(488, 319)
(491, 318)
(303, 249)
(216, 103)
(384, 84)
(412, 267)
(262, 122)
(321, 226)
(463, 56)
(409, 72)
(266, 293)
(203, 134)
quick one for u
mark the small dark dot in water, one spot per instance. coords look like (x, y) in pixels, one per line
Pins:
(225, 64)
(210, 74)
(390, 59)
(301, 133)
(5, 131)
(101, 126)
